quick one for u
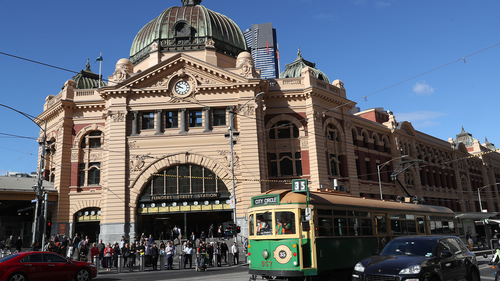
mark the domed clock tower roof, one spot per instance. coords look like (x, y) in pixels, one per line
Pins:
(188, 28)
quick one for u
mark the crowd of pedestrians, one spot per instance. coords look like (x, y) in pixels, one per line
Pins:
(214, 246)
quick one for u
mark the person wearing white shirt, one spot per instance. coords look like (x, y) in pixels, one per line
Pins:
(235, 252)
(170, 251)
(188, 255)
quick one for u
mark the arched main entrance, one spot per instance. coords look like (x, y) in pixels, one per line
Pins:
(189, 196)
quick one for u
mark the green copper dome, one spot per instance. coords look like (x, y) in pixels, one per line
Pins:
(465, 138)
(294, 69)
(86, 79)
(188, 28)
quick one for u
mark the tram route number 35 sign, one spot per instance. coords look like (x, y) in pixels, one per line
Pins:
(299, 185)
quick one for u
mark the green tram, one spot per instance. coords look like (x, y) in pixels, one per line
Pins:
(341, 231)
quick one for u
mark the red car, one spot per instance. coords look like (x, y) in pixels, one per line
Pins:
(44, 266)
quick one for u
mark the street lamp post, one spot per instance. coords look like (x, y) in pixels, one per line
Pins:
(479, 196)
(231, 144)
(379, 167)
(39, 186)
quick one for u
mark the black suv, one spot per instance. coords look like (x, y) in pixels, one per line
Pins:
(419, 258)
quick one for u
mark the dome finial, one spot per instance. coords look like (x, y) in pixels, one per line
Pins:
(299, 53)
(87, 66)
(190, 2)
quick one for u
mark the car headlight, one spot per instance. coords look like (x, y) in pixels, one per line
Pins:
(92, 265)
(359, 267)
(415, 269)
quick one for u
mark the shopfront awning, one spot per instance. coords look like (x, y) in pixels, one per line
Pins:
(476, 215)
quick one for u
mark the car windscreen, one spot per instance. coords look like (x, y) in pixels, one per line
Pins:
(409, 247)
(4, 259)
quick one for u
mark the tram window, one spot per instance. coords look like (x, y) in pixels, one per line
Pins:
(325, 226)
(410, 217)
(381, 225)
(439, 227)
(353, 213)
(452, 227)
(285, 223)
(323, 212)
(264, 226)
(365, 215)
(338, 213)
(421, 226)
(250, 225)
(446, 227)
(396, 227)
(411, 227)
(340, 227)
(354, 229)
(432, 225)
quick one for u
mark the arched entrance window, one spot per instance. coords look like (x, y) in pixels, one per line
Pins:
(187, 196)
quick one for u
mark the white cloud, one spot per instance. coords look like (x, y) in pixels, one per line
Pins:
(382, 4)
(423, 89)
(421, 119)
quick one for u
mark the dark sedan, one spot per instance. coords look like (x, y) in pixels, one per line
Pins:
(418, 258)
(44, 266)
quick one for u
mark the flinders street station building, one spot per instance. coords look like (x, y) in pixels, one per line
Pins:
(148, 148)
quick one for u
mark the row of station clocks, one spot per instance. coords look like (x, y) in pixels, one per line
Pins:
(174, 204)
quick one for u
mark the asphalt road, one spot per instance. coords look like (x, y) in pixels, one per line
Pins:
(236, 273)
(233, 273)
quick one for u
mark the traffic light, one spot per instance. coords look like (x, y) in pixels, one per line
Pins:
(238, 229)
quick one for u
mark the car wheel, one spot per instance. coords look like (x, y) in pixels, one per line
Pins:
(474, 276)
(82, 275)
(18, 277)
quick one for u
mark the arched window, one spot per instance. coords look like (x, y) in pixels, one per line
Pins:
(283, 130)
(184, 179)
(89, 168)
(354, 137)
(334, 149)
(285, 158)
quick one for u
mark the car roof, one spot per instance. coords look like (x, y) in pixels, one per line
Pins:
(425, 237)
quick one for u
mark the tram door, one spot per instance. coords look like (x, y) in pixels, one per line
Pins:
(381, 230)
(307, 229)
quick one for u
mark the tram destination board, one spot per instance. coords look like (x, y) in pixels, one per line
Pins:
(299, 185)
(264, 200)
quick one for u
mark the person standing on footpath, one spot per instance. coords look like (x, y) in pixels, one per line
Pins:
(19, 244)
(8, 243)
(223, 250)
(154, 256)
(235, 252)
(101, 248)
(108, 254)
(116, 252)
(188, 255)
(170, 251)
(125, 253)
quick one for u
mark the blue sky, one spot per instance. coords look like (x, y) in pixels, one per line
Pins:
(369, 45)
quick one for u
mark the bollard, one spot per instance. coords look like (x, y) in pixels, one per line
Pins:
(162, 262)
(120, 266)
(96, 262)
(141, 263)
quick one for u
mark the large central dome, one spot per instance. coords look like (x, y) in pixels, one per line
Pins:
(188, 28)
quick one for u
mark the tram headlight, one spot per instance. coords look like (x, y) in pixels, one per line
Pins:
(359, 267)
(415, 269)
(295, 263)
(265, 254)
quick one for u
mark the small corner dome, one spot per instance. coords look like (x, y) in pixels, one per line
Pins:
(338, 83)
(125, 64)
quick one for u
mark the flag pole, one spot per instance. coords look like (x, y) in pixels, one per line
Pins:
(100, 65)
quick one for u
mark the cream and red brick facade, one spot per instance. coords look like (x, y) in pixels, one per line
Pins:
(301, 127)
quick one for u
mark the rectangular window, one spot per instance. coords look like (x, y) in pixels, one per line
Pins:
(195, 118)
(81, 174)
(219, 116)
(148, 120)
(368, 171)
(172, 119)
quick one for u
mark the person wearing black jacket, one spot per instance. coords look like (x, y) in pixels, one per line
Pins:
(154, 255)
(125, 253)
(116, 252)
(223, 250)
